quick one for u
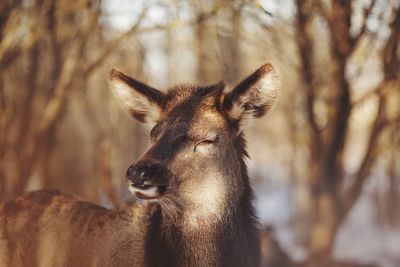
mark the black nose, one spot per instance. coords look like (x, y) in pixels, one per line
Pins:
(140, 174)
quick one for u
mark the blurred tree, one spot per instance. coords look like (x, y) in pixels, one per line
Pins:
(332, 198)
(47, 47)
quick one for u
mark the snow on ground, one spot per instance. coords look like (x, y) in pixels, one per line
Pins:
(362, 238)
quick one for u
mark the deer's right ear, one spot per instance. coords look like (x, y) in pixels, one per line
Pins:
(137, 99)
(254, 96)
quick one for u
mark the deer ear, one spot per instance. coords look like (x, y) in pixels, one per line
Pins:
(254, 96)
(137, 99)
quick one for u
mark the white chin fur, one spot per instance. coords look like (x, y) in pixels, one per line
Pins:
(148, 192)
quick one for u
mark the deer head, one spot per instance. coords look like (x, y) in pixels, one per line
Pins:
(195, 161)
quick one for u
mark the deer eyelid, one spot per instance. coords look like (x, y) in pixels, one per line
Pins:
(208, 141)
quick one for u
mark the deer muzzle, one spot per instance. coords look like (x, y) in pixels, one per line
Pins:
(148, 180)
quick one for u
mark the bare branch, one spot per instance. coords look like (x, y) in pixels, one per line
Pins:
(305, 48)
(391, 61)
(259, 6)
(356, 39)
(366, 96)
(353, 193)
(339, 21)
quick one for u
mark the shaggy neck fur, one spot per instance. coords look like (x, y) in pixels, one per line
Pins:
(227, 243)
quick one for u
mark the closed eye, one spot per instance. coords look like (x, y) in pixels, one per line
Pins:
(205, 142)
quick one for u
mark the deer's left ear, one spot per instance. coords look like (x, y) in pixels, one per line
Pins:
(254, 96)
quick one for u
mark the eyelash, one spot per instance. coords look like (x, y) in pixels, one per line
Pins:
(204, 142)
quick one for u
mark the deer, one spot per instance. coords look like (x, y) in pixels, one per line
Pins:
(195, 204)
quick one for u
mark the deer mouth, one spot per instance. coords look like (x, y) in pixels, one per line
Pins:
(147, 191)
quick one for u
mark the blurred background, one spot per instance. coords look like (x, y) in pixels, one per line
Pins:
(325, 162)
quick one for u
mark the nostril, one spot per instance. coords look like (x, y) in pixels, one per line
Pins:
(130, 172)
(146, 176)
(143, 173)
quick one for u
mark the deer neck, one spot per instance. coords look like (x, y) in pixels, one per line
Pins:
(228, 240)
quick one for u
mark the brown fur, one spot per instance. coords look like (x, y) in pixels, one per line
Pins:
(201, 211)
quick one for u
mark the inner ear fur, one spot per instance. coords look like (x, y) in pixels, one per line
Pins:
(255, 95)
(139, 100)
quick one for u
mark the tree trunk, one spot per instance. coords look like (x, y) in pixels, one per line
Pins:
(323, 230)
